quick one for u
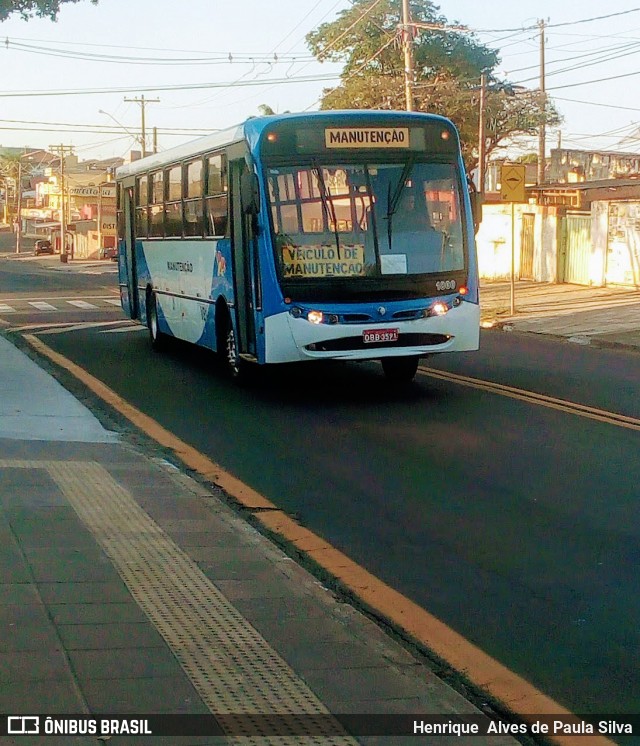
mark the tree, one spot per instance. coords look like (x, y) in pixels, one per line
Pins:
(33, 8)
(448, 67)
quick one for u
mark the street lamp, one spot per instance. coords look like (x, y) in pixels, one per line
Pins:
(137, 138)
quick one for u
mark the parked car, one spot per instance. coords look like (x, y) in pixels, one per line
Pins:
(43, 246)
(109, 252)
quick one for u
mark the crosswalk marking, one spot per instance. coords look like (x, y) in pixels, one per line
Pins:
(22, 305)
(42, 305)
(81, 304)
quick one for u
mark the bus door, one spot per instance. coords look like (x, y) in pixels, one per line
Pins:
(245, 260)
(128, 276)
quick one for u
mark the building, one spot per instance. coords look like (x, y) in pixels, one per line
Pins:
(89, 203)
(585, 232)
(570, 166)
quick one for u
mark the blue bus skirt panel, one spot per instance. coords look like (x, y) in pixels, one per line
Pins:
(220, 285)
(187, 278)
(289, 338)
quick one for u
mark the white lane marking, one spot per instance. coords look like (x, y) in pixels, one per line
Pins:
(122, 329)
(63, 329)
(60, 297)
(113, 302)
(81, 304)
(41, 305)
(6, 309)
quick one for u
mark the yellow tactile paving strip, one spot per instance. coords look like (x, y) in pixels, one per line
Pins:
(233, 668)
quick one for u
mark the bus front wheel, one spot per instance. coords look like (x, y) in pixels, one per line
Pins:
(236, 368)
(232, 360)
(400, 369)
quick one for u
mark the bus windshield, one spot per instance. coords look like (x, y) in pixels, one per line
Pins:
(366, 220)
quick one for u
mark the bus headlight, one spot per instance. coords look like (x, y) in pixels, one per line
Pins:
(438, 309)
(315, 317)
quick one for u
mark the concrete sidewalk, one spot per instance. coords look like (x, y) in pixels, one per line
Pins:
(129, 588)
(606, 316)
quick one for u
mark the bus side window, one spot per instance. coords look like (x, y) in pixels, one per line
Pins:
(142, 201)
(156, 209)
(216, 191)
(193, 206)
(173, 202)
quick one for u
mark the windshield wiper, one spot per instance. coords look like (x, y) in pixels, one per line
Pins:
(327, 203)
(392, 201)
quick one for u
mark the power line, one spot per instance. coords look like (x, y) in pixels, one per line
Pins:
(594, 103)
(602, 50)
(582, 65)
(590, 82)
(556, 25)
(179, 87)
(106, 128)
(220, 59)
(306, 64)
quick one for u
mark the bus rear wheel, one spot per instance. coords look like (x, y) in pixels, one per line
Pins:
(158, 339)
(400, 369)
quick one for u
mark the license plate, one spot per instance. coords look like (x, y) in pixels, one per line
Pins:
(372, 336)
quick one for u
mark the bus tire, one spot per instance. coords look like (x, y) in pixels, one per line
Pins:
(227, 344)
(400, 369)
(235, 367)
(158, 339)
(232, 360)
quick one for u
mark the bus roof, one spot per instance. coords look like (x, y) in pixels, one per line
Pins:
(251, 129)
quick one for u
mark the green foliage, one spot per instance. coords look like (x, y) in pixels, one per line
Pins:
(33, 8)
(448, 66)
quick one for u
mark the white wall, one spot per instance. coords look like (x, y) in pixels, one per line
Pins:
(494, 241)
(599, 234)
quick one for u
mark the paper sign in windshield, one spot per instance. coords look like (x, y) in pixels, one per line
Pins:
(323, 261)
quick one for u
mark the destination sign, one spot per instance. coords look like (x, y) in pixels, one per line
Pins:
(323, 261)
(366, 137)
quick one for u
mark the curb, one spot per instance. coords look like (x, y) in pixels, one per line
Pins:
(577, 339)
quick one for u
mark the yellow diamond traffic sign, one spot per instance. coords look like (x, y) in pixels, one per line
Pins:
(512, 184)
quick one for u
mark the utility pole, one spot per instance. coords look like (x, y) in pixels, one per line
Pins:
(143, 102)
(409, 72)
(481, 134)
(542, 146)
(19, 207)
(62, 151)
(18, 197)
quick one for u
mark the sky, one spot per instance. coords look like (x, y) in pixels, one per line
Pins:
(212, 63)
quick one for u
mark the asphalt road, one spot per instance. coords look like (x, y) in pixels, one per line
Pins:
(515, 523)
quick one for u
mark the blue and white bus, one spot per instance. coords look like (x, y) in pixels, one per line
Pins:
(328, 235)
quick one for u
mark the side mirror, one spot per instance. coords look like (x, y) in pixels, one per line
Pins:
(476, 209)
(250, 193)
